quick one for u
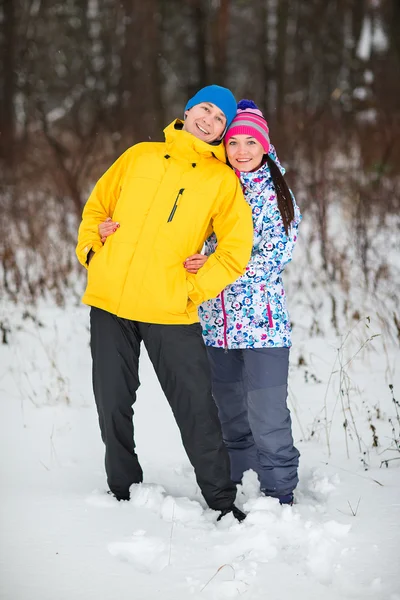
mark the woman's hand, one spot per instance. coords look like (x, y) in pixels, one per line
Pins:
(195, 262)
(106, 228)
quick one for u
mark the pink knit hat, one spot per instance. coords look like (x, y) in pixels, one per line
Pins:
(249, 120)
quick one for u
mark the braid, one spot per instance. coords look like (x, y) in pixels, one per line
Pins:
(285, 202)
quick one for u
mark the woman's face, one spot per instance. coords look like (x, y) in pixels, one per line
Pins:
(245, 153)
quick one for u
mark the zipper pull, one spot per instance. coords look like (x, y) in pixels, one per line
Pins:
(173, 211)
(225, 322)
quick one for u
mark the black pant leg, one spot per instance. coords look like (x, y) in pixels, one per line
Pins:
(180, 360)
(115, 346)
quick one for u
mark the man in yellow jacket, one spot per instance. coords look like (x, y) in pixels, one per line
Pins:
(167, 198)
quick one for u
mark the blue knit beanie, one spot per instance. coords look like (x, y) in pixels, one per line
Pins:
(220, 96)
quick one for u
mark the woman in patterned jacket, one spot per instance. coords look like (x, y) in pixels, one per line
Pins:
(246, 328)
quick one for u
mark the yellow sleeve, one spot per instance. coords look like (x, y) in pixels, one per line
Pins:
(233, 226)
(100, 205)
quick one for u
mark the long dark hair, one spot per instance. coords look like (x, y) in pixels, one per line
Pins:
(284, 197)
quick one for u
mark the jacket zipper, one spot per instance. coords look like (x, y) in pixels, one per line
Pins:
(225, 321)
(175, 206)
(269, 313)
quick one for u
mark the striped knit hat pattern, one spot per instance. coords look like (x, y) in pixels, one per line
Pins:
(249, 120)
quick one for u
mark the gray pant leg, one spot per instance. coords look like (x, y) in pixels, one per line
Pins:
(269, 418)
(230, 394)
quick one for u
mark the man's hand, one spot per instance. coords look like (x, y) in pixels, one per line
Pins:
(106, 228)
(195, 262)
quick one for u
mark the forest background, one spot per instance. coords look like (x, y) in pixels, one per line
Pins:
(82, 80)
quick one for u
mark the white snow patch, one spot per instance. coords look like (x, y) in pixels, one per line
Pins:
(71, 539)
(146, 553)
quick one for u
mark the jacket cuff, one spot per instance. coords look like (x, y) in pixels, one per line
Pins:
(95, 246)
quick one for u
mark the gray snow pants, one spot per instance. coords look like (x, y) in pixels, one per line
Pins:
(250, 389)
(180, 361)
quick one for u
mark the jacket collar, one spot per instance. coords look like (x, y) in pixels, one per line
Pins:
(256, 181)
(184, 145)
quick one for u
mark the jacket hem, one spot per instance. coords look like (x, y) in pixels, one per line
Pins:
(143, 317)
(244, 346)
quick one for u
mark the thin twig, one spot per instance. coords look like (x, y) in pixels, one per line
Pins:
(327, 434)
(354, 513)
(216, 573)
(293, 403)
(355, 474)
(384, 462)
(361, 347)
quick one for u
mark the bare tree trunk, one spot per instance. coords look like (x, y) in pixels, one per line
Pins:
(221, 22)
(357, 18)
(262, 18)
(283, 13)
(200, 28)
(7, 116)
(140, 76)
(395, 25)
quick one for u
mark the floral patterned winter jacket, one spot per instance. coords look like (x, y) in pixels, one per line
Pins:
(252, 312)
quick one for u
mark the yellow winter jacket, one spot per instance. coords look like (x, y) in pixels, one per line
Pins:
(168, 198)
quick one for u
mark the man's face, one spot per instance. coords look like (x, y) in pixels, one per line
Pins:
(206, 121)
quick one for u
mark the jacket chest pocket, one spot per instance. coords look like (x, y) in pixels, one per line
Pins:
(176, 204)
(185, 223)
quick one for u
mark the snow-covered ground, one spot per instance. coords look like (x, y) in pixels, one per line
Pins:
(63, 537)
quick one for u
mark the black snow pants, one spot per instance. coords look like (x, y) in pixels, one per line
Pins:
(179, 357)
